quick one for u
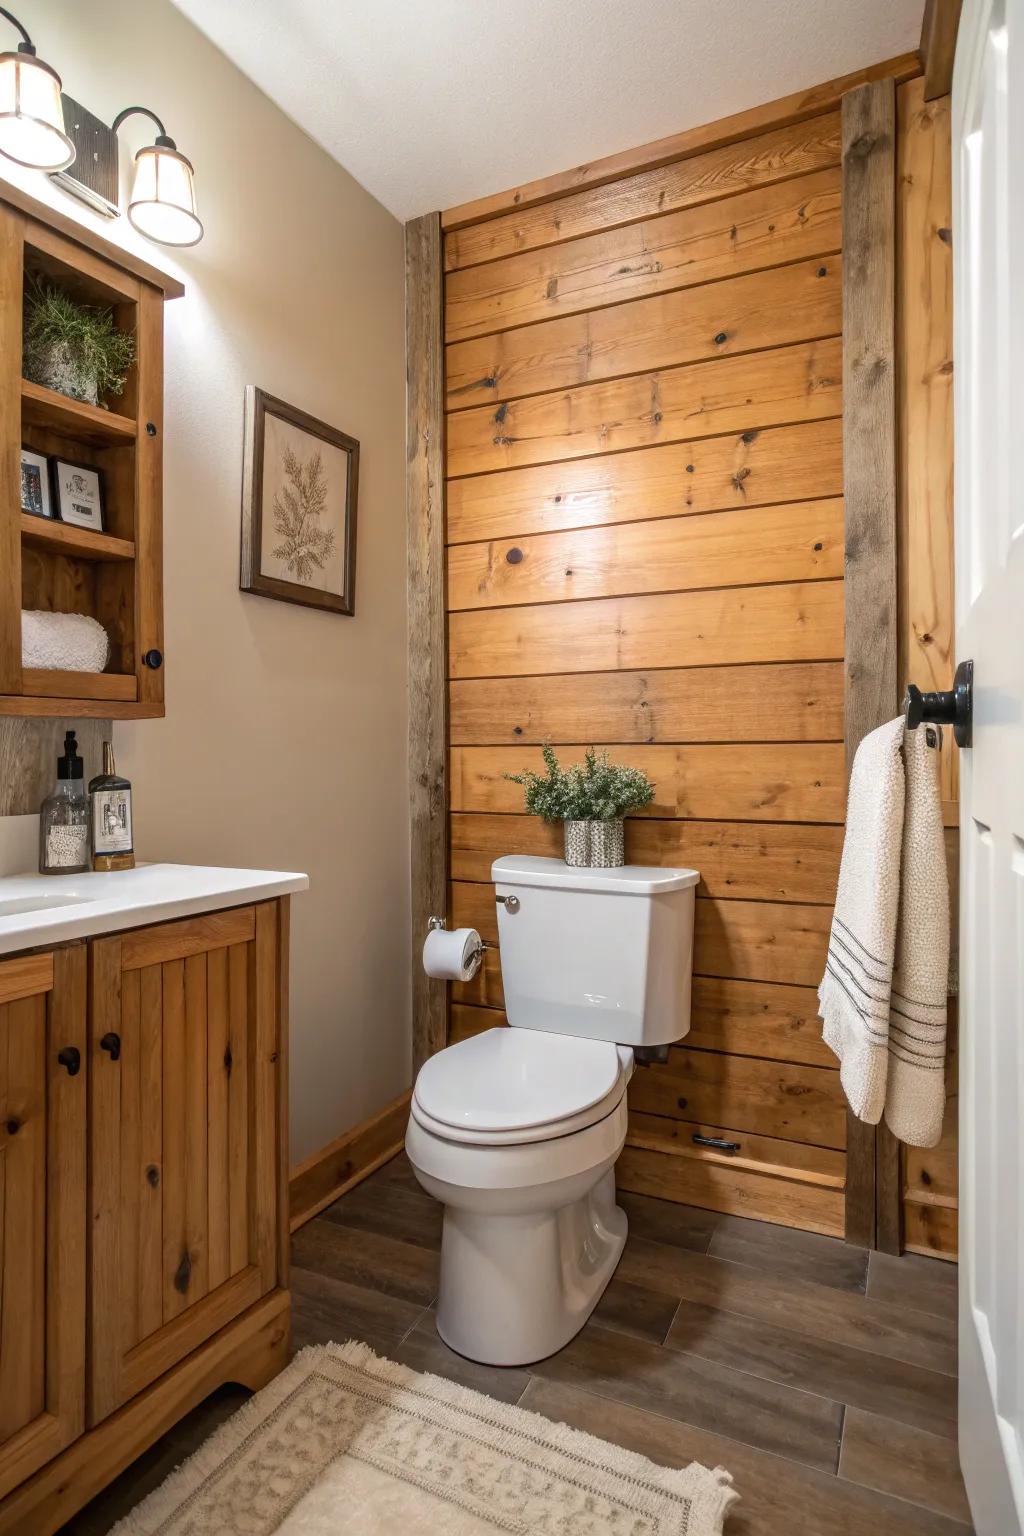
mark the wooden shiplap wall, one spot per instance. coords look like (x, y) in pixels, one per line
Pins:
(645, 551)
(924, 319)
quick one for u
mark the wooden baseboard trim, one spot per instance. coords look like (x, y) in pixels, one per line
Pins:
(251, 1350)
(318, 1182)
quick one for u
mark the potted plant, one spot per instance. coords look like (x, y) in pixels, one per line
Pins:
(73, 348)
(590, 799)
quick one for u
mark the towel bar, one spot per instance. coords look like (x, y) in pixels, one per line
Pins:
(953, 706)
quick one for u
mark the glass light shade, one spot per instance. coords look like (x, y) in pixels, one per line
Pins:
(31, 117)
(163, 202)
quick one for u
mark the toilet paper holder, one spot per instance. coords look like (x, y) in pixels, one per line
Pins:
(476, 954)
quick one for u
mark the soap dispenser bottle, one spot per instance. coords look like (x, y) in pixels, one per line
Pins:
(64, 817)
(111, 800)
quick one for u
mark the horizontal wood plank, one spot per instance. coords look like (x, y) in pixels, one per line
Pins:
(711, 1186)
(763, 228)
(754, 1018)
(761, 940)
(760, 861)
(191, 936)
(575, 400)
(823, 1166)
(798, 541)
(25, 976)
(788, 701)
(931, 1229)
(767, 782)
(799, 621)
(748, 469)
(766, 157)
(769, 1098)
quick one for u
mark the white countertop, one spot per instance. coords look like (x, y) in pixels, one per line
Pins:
(50, 909)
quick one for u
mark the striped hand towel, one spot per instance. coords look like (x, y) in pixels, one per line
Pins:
(883, 995)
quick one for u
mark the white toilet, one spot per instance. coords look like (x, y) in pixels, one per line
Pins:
(517, 1130)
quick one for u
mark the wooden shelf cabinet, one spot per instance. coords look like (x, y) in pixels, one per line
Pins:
(143, 1193)
(116, 576)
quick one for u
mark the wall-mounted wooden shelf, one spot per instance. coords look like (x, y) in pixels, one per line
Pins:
(82, 542)
(116, 576)
(74, 418)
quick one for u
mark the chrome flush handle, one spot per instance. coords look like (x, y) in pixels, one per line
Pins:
(510, 903)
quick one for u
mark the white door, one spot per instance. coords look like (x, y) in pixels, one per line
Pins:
(988, 219)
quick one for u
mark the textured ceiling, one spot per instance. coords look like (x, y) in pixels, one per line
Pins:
(429, 103)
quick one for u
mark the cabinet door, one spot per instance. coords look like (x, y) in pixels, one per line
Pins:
(42, 1208)
(183, 1136)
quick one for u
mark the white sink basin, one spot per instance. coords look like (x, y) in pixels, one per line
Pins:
(19, 904)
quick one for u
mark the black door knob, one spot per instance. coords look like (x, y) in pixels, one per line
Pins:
(70, 1059)
(112, 1043)
(153, 659)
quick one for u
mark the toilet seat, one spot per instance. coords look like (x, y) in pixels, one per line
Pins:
(516, 1086)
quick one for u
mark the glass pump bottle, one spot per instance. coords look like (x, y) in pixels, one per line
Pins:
(64, 817)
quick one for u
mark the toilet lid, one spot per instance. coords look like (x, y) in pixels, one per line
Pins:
(513, 1079)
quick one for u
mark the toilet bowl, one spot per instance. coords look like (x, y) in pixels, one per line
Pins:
(517, 1130)
(532, 1233)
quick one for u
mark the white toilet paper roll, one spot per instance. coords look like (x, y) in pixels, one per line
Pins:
(452, 956)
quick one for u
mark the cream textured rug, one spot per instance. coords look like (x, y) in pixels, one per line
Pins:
(343, 1441)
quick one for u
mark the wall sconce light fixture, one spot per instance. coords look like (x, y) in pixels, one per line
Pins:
(162, 204)
(31, 120)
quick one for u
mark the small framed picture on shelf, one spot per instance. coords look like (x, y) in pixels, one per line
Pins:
(35, 484)
(78, 491)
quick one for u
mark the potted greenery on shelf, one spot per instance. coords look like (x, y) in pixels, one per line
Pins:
(73, 348)
(590, 799)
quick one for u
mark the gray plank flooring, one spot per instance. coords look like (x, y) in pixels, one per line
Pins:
(822, 1378)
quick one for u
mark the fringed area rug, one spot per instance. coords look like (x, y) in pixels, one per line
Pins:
(344, 1441)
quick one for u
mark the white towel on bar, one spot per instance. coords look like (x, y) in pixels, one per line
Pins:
(883, 995)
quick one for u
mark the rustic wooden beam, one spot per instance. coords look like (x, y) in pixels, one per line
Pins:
(428, 655)
(796, 108)
(869, 476)
(938, 44)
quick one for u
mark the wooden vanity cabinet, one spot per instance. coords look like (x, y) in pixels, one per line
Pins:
(42, 1209)
(143, 1194)
(182, 1140)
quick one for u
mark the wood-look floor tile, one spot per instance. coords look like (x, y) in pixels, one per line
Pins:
(845, 1317)
(392, 1210)
(663, 1221)
(367, 1258)
(635, 1309)
(424, 1350)
(880, 1453)
(775, 1417)
(788, 1252)
(911, 1280)
(915, 1396)
(777, 1497)
(326, 1311)
(120, 1497)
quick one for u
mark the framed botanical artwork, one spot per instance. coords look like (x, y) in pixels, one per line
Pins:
(35, 484)
(300, 482)
(78, 493)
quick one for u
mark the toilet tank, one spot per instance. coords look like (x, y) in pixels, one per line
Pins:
(602, 953)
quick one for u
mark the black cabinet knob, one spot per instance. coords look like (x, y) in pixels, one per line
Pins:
(70, 1059)
(153, 659)
(112, 1043)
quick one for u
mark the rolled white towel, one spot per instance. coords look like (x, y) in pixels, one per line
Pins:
(63, 642)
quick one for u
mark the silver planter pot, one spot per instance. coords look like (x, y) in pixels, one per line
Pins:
(595, 844)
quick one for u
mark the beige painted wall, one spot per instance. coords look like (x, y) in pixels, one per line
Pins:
(284, 743)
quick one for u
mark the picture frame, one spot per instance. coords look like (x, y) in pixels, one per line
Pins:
(77, 493)
(300, 488)
(36, 485)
